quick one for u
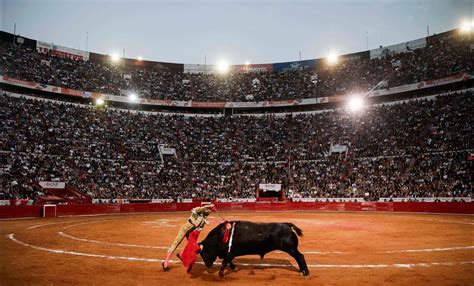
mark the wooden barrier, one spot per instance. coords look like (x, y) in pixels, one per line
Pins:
(97, 209)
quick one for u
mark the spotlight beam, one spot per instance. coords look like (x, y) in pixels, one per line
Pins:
(133, 97)
(332, 58)
(355, 103)
(222, 67)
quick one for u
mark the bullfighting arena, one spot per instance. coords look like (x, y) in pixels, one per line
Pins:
(340, 249)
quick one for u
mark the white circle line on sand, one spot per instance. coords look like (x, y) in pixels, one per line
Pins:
(396, 265)
(72, 225)
(87, 222)
(48, 224)
(445, 220)
(304, 252)
(429, 249)
(110, 243)
(61, 251)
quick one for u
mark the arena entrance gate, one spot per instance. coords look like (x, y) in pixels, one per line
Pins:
(270, 192)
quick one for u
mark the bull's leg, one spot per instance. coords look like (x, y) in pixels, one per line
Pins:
(290, 246)
(223, 266)
(299, 257)
(232, 265)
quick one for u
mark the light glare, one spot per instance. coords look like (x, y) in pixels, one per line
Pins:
(332, 58)
(467, 26)
(139, 58)
(222, 67)
(133, 97)
(355, 103)
(115, 57)
(99, 101)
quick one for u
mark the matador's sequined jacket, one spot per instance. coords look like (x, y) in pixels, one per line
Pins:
(199, 216)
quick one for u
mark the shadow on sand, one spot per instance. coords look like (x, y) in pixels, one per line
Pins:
(212, 274)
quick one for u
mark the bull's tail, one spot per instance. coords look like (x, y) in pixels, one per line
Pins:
(296, 229)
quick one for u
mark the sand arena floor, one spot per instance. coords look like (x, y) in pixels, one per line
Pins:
(340, 249)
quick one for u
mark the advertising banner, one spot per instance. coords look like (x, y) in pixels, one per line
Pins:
(296, 65)
(162, 201)
(356, 56)
(289, 102)
(392, 90)
(324, 99)
(75, 92)
(60, 51)
(101, 201)
(336, 98)
(203, 69)
(48, 88)
(212, 69)
(444, 80)
(21, 202)
(427, 200)
(162, 102)
(236, 200)
(19, 82)
(280, 102)
(421, 85)
(398, 48)
(120, 201)
(313, 200)
(243, 104)
(208, 104)
(270, 187)
(52, 185)
(252, 68)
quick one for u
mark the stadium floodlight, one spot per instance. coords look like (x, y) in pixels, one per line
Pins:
(332, 58)
(115, 57)
(99, 102)
(247, 63)
(133, 97)
(355, 103)
(467, 26)
(139, 58)
(222, 67)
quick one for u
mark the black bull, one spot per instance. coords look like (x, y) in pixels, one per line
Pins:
(252, 238)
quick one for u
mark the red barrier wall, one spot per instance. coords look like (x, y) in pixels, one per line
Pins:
(71, 210)
(68, 210)
(20, 211)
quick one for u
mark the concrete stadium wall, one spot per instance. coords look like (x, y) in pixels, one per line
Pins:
(98, 209)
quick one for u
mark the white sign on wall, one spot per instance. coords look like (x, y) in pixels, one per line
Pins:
(52, 185)
(270, 187)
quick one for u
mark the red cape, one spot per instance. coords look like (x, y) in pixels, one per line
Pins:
(189, 254)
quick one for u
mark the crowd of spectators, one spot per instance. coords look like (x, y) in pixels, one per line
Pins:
(430, 175)
(415, 148)
(385, 130)
(443, 56)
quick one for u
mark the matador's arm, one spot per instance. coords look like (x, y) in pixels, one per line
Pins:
(204, 209)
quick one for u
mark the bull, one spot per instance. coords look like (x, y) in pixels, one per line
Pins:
(251, 238)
